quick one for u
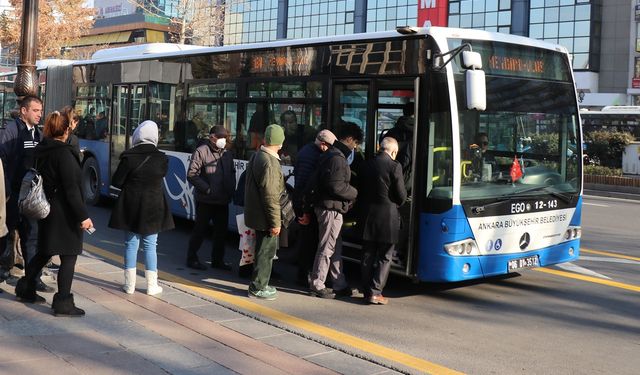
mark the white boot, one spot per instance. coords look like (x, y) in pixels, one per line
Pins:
(152, 283)
(129, 280)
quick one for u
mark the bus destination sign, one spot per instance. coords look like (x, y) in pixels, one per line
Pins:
(516, 65)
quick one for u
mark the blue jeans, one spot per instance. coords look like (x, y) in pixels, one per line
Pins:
(132, 244)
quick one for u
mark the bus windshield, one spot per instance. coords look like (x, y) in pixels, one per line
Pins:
(527, 142)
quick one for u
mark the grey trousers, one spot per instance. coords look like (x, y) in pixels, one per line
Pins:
(328, 260)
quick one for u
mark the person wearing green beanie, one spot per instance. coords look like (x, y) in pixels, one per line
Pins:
(274, 135)
(264, 184)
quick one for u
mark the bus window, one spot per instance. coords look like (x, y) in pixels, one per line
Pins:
(93, 105)
(351, 106)
(299, 126)
(163, 113)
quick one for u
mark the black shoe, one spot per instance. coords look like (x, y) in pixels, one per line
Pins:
(196, 265)
(221, 266)
(26, 293)
(43, 288)
(345, 292)
(323, 293)
(65, 306)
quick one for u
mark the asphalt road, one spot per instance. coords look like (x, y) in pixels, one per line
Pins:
(573, 319)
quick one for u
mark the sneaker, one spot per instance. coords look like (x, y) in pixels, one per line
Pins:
(268, 294)
(323, 293)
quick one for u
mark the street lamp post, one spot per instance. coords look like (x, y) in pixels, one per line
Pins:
(26, 80)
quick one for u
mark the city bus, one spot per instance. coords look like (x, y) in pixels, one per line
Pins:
(474, 211)
(621, 118)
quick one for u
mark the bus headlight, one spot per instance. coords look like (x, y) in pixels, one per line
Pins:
(573, 233)
(462, 248)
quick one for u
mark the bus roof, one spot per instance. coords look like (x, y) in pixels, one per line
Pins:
(149, 51)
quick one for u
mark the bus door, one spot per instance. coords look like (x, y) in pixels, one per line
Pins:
(351, 102)
(129, 110)
(379, 107)
(394, 115)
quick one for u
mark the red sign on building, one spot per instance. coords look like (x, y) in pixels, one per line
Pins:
(433, 12)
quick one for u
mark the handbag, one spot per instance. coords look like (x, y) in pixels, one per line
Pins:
(287, 214)
(32, 200)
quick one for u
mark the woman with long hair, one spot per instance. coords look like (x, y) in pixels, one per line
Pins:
(60, 233)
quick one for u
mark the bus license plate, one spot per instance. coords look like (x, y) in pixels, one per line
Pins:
(526, 262)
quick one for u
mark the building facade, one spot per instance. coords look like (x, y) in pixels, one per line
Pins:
(601, 36)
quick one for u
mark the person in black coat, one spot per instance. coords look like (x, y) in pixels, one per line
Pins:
(333, 197)
(142, 209)
(381, 220)
(74, 119)
(60, 233)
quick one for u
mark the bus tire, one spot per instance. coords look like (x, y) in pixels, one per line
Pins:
(91, 181)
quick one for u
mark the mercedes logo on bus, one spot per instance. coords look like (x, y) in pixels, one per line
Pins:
(525, 240)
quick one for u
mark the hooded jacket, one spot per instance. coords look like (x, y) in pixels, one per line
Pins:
(332, 189)
(213, 174)
(60, 233)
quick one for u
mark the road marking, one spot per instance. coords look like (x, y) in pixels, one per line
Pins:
(595, 204)
(608, 260)
(577, 269)
(332, 334)
(605, 253)
(571, 275)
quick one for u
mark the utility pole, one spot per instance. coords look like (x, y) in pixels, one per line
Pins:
(26, 80)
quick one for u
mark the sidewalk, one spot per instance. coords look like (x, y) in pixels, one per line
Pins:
(176, 333)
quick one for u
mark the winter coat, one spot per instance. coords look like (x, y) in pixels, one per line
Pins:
(213, 174)
(380, 200)
(332, 189)
(263, 186)
(306, 164)
(16, 151)
(142, 206)
(60, 233)
(3, 205)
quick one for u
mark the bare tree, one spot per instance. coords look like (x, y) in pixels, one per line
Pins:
(198, 22)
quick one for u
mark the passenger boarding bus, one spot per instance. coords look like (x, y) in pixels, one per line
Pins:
(494, 163)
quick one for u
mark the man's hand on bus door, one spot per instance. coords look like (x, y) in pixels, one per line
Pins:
(305, 219)
(274, 232)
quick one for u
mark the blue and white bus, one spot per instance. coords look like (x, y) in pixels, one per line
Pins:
(474, 211)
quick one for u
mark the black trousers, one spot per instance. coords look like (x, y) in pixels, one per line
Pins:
(206, 212)
(306, 247)
(65, 273)
(376, 263)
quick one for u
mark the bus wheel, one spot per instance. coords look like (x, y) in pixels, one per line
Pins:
(91, 181)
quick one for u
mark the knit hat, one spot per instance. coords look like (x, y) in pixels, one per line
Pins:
(219, 131)
(146, 133)
(326, 136)
(274, 135)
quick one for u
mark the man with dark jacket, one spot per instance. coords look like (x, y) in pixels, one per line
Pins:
(17, 144)
(332, 198)
(213, 174)
(264, 185)
(306, 164)
(381, 220)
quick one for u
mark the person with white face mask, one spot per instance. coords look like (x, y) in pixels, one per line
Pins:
(213, 175)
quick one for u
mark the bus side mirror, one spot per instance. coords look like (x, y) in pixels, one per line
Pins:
(475, 81)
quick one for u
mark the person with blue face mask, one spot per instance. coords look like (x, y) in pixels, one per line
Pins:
(212, 173)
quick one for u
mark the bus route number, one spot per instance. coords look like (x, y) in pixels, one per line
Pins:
(522, 207)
